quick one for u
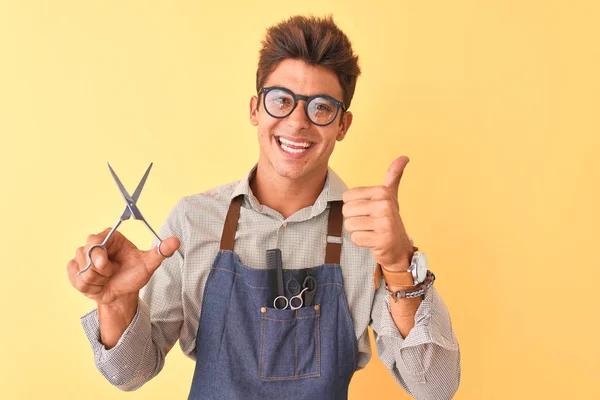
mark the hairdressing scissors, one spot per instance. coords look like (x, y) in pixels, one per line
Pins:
(131, 209)
(307, 289)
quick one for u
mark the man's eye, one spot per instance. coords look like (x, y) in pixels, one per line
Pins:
(323, 108)
(281, 100)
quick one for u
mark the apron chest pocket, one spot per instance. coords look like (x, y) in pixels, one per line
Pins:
(290, 345)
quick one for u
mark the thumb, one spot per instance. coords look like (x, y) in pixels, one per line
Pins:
(394, 173)
(168, 247)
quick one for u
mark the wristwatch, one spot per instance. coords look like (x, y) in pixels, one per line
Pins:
(415, 274)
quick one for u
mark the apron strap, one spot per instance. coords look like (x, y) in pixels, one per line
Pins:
(231, 222)
(334, 233)
(334, 229)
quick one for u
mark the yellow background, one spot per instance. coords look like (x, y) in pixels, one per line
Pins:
(496, 103)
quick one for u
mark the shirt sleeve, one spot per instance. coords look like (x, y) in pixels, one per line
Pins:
(427, 362)
(140, 352)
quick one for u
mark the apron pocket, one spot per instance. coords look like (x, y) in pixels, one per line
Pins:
(290, 345)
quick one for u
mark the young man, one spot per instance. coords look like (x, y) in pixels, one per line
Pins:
(215, 293)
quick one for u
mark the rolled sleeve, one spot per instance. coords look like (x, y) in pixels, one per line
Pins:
(122, 364)
(427, 362)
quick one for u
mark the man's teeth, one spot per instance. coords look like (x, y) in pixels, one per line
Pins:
(289, 142)
(290, 150)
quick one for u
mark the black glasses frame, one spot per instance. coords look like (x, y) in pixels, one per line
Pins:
(307, 100)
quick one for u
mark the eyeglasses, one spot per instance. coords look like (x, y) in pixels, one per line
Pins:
(320, 109)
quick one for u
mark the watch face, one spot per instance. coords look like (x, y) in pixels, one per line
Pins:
(421, 267)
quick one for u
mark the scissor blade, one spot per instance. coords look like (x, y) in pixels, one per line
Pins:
(126, 214)
(131, 206)
(138, 190)
(124, 192)
(136, 195)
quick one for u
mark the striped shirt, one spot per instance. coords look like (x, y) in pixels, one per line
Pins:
(426, 363)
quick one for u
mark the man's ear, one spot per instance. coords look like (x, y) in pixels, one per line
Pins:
(254, 110)
(345, 123)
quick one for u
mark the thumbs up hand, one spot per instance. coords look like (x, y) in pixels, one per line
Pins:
(372, 217)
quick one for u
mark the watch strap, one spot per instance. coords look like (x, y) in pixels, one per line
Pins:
(419, 290)
(393, 278)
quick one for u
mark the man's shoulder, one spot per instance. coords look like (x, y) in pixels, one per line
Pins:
(216, 195)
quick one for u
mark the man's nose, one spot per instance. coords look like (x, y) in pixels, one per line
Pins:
(298, 118)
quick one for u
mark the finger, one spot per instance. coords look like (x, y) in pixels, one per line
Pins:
(97, 238)
(93, 277)
(373, 208)
(113, 245)
(100, 261)
(72, 270)
(168, 247)
(77, 281)
(90, 276)
(363, 239)
(355, 224)
(366, 193)
(394, 174)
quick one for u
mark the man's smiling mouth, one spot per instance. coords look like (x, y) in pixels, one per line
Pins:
(293, 147)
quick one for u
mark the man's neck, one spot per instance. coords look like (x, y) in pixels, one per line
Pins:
(285, 195)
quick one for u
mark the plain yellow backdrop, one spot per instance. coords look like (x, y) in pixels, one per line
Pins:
(496, 104)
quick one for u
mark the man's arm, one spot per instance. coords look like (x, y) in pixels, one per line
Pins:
(128, 349)
(426, 361)
(403, 312)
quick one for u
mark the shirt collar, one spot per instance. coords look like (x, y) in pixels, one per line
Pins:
(333, 189)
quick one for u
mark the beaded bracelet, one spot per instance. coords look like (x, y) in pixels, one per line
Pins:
(423, 287)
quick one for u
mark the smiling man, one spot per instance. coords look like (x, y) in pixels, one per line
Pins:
(272, 281)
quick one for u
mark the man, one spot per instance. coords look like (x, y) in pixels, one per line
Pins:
(240, 321)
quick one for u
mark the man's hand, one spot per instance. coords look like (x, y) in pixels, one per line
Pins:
(118, 272)
(115, 279)
(373, 220)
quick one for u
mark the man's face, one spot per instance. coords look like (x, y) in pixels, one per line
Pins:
(291, 160)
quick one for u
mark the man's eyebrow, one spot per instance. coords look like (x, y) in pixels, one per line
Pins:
(308, 95)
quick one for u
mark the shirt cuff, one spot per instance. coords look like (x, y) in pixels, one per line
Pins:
(432, 326)
(119, 364)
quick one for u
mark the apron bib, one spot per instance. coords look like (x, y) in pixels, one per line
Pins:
(246, 349)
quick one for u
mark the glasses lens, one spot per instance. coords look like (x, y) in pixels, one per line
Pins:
(279, 103)
(321, 110)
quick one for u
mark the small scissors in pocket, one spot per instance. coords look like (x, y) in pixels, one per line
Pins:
(131, 209)
(308, 288)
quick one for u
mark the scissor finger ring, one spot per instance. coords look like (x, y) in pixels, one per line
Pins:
(299, 299)
(89, 256)
(280, 298)
(158, 249)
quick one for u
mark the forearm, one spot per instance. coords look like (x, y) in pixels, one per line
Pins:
(425, 361)
(403, 311)
(137, 357)
(114, 318)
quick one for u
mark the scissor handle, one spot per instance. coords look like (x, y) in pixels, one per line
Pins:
(292, 285)
(101, 245)
(310, 282)
(282, 298)
(299, 298)
(89, 256)
(158, 248)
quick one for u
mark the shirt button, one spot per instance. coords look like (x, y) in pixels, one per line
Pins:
(284, 224)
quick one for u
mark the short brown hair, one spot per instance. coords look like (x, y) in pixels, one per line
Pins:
(316, 41)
